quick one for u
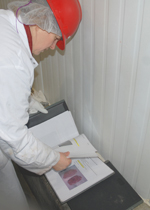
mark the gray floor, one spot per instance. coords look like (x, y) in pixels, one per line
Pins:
(142, 207)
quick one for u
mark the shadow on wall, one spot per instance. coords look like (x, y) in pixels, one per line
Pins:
(52, 53)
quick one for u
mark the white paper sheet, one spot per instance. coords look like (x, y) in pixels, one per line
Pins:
(56, 130)
(79, 147)
(79, 176)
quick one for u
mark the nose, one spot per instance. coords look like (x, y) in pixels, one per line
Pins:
(52, 47)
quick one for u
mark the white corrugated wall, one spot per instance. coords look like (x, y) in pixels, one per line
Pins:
(104, 76)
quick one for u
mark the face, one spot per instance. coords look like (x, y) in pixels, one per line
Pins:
(42, 40)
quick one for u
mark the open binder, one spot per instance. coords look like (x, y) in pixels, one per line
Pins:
(86, 169)
(113, 193)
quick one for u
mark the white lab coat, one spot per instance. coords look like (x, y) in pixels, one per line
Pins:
(16, 77)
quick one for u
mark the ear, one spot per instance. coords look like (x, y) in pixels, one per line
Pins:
(34, 31)
(34, 28)
(38, 30)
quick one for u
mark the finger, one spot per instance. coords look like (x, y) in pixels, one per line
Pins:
(67, 153)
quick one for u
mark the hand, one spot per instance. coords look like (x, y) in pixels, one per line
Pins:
(63, 162)
(35, 106)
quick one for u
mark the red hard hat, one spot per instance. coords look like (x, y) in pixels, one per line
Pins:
(68, 14)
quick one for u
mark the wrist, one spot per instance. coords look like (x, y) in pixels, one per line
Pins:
(57, 155)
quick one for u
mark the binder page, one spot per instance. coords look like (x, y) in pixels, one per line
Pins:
(80, 175)
(56, 130)
(79, 147)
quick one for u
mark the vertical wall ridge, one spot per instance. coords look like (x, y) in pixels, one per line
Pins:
(133, 83)
(138, 158)
(118, 70)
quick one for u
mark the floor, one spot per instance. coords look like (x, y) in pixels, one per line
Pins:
(142, 207)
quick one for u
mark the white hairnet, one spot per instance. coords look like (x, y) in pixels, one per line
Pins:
(35, 12)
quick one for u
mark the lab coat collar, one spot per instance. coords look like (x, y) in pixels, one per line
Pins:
(28, 32)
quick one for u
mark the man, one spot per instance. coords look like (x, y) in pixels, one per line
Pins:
(26, 28)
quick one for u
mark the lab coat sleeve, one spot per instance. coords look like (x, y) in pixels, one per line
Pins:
(16, 140)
